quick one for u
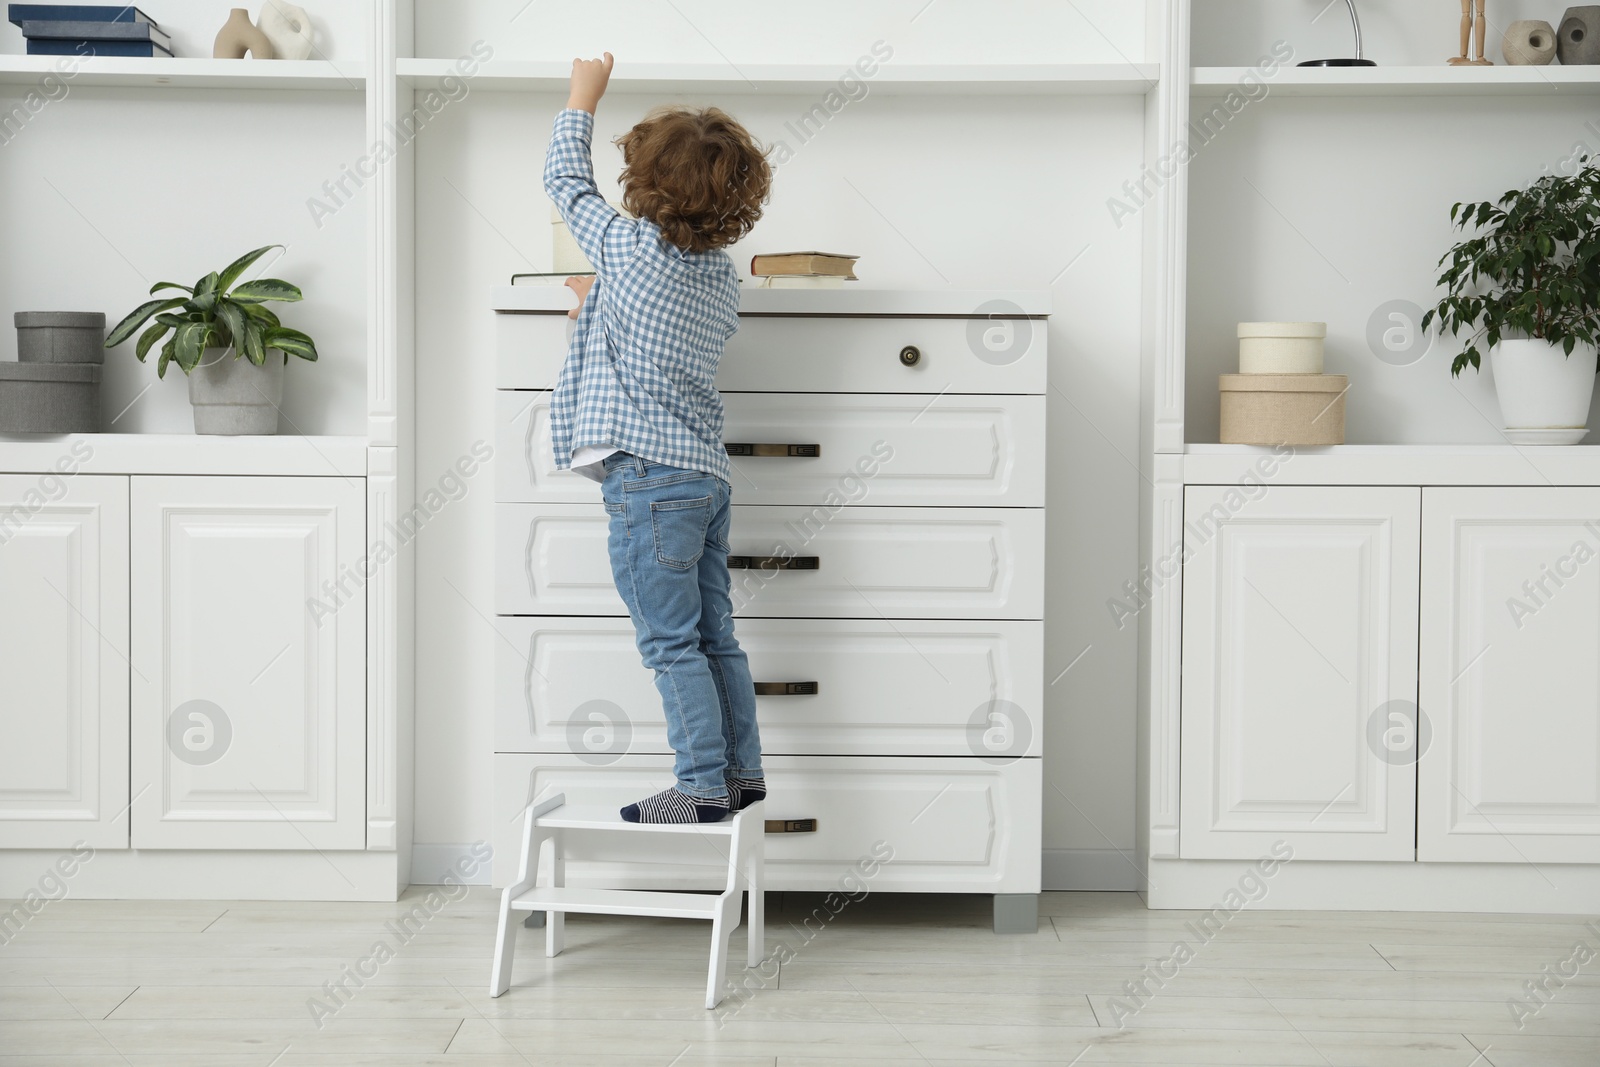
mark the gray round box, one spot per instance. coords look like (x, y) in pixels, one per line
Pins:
(61, 336)
(49, 397)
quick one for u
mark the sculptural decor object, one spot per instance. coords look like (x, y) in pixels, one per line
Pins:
(1529, 43)
(288, 28)
(1578, 43)
(238, 36)
(1359, 60)
(1474, 27)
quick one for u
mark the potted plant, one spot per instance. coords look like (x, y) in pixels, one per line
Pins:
(1528, 288)
(211, 328)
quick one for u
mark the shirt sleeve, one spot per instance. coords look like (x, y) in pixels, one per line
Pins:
(605, 236)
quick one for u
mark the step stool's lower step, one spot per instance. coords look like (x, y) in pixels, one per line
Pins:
(619, 902)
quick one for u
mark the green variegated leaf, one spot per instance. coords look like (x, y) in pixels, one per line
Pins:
(237, 268)
(264, 289)
(155, 333)
(125, 329)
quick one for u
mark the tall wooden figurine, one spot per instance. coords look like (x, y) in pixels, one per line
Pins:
(1474, 27)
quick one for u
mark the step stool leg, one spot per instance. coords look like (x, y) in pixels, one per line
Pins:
(721, 927)
(755, 876)
(556, 921)
(504, 946)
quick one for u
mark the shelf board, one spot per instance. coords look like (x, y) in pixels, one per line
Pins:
(1493, 464)
(891, 79)
(172, 453)
(1441, 80)
(187, 73)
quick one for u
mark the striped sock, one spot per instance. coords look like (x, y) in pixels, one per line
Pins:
(672, 806)
(743, 792)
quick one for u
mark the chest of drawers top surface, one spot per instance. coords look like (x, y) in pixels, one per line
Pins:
(963, 303)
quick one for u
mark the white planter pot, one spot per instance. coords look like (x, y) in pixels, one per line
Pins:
(1542, 388)
(233, 396)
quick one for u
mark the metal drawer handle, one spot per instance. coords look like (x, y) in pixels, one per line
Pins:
(791, 826)
(779, 563)
(786, 689)
(764, 449)
(911, 355)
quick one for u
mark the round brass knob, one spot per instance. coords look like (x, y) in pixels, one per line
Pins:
(910, 355)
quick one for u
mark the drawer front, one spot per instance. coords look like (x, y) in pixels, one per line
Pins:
(962, 451)
(928, 687)
(822, 354)
(950, 825)
(870, 562)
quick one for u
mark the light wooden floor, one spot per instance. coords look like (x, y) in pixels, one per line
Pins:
(910, 979)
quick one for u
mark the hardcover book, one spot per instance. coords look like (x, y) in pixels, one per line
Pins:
(20, 13)
(60, 47)
(66, 30)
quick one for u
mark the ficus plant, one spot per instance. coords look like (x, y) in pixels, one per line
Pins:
(216, 314)
(1533, 270)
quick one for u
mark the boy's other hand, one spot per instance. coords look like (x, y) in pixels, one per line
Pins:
(589, 78)
(581, 286)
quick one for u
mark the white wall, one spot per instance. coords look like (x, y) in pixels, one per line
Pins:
(949, 193)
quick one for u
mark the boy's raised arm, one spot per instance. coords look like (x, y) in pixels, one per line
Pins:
(569, 170)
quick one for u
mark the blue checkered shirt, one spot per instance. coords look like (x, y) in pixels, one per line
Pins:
(638, 376)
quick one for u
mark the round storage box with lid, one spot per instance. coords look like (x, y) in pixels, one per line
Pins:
(61, 336)
(49, 397)
(1281, 347)
(1282, 409)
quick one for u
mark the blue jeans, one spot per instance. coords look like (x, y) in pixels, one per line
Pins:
(668, 540)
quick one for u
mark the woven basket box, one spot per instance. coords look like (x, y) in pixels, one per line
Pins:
(1273, 409)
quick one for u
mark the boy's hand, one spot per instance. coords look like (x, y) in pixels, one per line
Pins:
(589, 78)
(581, 286)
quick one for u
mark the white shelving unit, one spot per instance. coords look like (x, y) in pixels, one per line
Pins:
(1438, 80)
(188, 73)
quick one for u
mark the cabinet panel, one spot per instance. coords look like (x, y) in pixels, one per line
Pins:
(63, 661)
(823, 354)
(248, 649)
(1510, 680)
(912, 687)
(896, 563)
(953, 825)
(1299, 634)
(913, 450)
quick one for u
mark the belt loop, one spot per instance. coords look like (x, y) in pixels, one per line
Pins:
(638, 464)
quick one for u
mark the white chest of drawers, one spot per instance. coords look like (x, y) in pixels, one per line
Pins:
(899, 666)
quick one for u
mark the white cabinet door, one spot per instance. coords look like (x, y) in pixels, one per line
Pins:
(1299, 649)
(1510, 633)
(249, 718)
(63, 661)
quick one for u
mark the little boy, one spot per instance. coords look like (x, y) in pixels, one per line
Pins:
(635, 409)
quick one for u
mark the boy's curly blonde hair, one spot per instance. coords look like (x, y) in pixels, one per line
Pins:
(698, 175)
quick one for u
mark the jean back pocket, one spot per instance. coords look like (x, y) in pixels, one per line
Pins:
(679, 529)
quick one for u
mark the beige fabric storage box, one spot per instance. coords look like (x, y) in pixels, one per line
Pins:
(1273, 409)
(1281, 347)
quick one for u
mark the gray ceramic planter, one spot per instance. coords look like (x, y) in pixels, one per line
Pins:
(232, 396)
(61, 336)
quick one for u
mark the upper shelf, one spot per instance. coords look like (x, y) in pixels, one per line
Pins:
(890, 78)
(1440, 80)
(188, 73)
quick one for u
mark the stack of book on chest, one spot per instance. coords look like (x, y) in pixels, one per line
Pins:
(803, 270)
(89, 30)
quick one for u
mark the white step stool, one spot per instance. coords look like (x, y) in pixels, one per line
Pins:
(549, 819)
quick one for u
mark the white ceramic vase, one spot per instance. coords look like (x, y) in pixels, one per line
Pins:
(287, 27)
(1542, 389)
(232, 396)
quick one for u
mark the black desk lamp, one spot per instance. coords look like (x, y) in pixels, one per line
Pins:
(1358, 61)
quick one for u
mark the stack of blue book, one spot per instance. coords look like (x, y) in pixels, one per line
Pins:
(89, 30)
